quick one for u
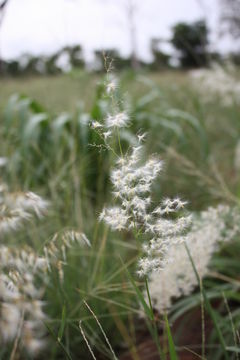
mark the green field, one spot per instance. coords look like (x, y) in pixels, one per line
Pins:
(64, 92)
(46, 136)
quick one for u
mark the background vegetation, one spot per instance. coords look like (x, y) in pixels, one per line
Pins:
(45, 134)
(192, 120)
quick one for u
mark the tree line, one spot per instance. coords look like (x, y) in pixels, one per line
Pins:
(190, 42)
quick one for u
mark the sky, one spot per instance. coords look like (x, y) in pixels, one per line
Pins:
(44, 26)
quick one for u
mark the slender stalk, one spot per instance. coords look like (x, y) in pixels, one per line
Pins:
(16, 342)
(67, 354)
(209, 307)
(103, 332)
(86, 341)
(203, 320)
(154, 325)
(232, 324)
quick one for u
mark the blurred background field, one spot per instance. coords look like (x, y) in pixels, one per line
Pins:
(63, 92)
(169, 105)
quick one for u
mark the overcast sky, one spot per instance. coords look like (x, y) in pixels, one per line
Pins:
(44, 26)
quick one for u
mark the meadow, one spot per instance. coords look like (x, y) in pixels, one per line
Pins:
(95, 304)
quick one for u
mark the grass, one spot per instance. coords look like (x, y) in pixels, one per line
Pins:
(151, 97)
(63, 92)
(56, 94)
(50, 155)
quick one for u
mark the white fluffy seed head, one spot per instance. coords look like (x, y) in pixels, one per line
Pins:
(96, 125)
(209, 229)
(22, 284)
(132, 181)
(112, 85)
(118, 120)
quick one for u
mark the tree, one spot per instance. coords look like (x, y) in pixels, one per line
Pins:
(75, 55)
(191, 40)
(160, 59)
(13, 68)
(230, 16)
(51, 65)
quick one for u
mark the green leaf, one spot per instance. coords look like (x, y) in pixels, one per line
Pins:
(172, 350)
(140, 297)
(233, 349)
(63, 321)
(171, 125)
(182, 115)
(147, 99)
(209, 307)
(68, 356)
(32, 128)
(59, 123)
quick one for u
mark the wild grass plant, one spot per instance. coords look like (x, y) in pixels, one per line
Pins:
(94, 301)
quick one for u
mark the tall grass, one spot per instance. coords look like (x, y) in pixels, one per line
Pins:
(53, 156)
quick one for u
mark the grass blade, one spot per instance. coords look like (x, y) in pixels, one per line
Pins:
(68, 356)
(209, 307)
(140, 297)
(234, 349)
(62, 326)
(171, 346)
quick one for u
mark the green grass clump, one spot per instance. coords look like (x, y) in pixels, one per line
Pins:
(45, 133)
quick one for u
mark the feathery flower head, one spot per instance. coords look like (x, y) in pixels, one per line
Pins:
(96, 125)
(118, 120)
(141, 137)
(132, 180)
(107, 134)
(209, 229)
(22, 283)
(115, 217)
(17, 208)
(3, 161)
(31, 202)
(111, 85)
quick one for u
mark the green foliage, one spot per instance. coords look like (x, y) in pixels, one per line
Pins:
(44, 65)
(160, 59)
(172, 349)
(191, 41)
(49, 154)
